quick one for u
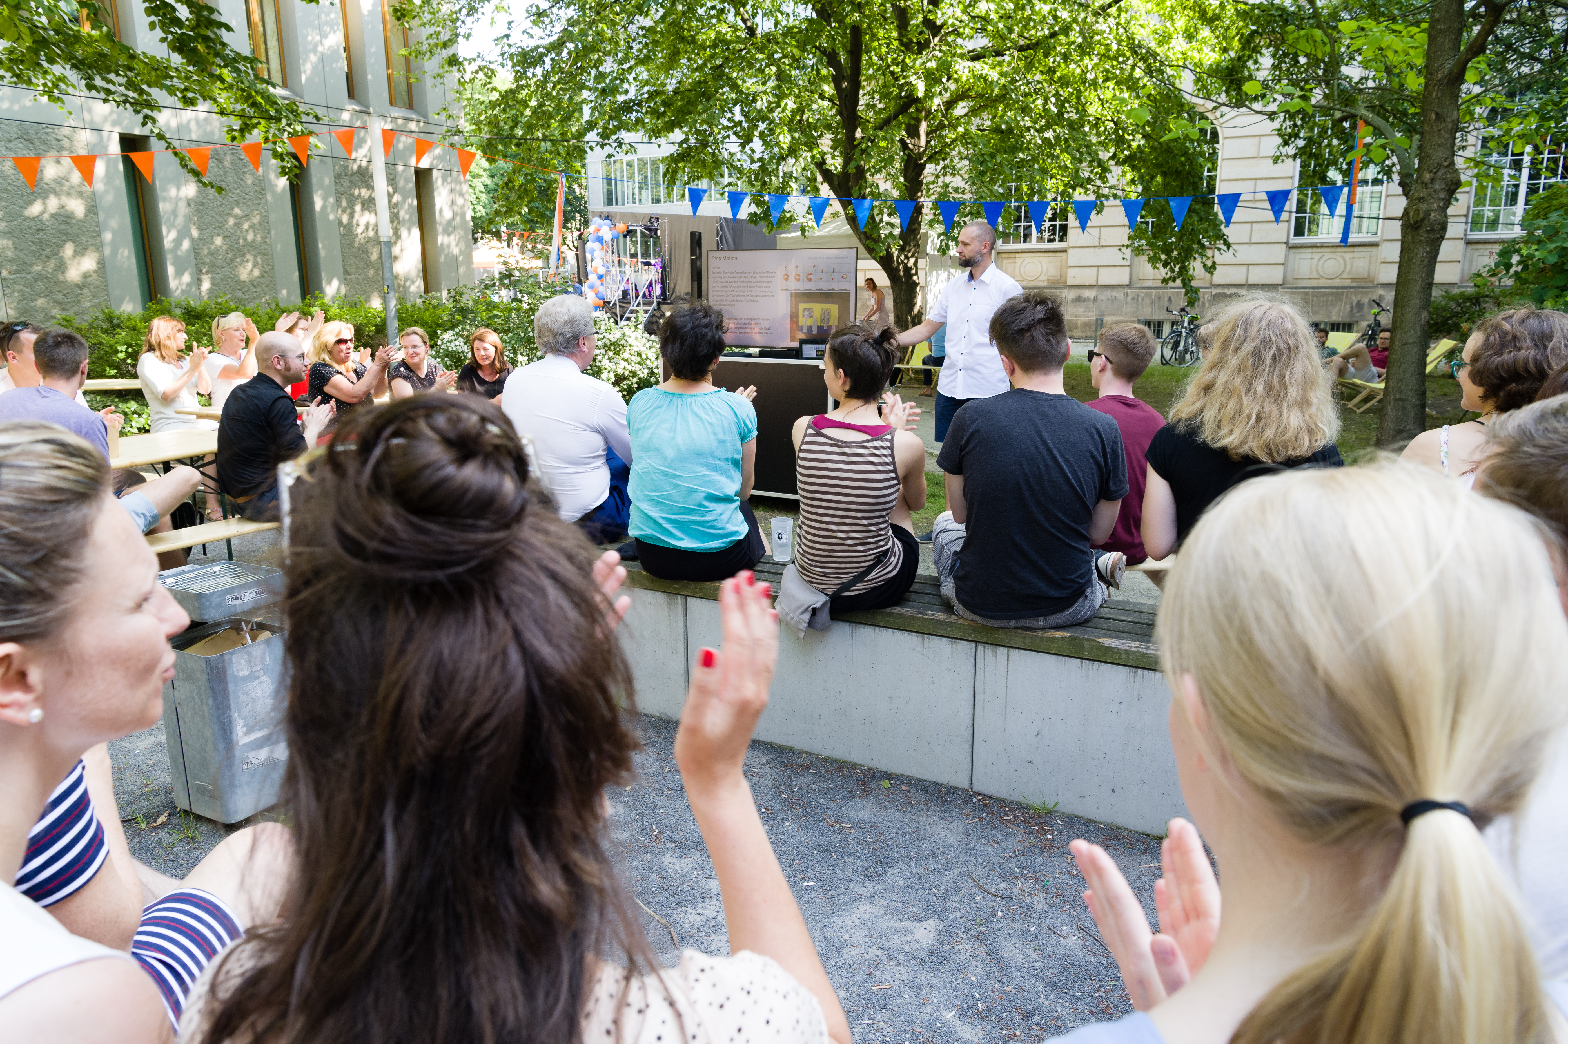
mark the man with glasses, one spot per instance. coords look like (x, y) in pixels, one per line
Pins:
(1362, 361)
(260, 430)
(1123, 353)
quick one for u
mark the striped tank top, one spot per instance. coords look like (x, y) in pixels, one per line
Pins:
(847, 490)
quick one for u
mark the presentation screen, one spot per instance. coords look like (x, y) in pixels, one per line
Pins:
(777, 298)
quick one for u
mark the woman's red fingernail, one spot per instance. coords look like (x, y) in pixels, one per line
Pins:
(765, 589)
(707, 658)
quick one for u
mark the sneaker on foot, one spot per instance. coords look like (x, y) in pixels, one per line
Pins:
(628, 552)
(1110, 569)
(925, 538)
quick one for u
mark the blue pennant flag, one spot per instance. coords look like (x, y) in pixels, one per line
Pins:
(1038, 210)
(736, 199)
(1083, 210)
(903, 210)
(860, 208)
(992, 212)
(817, 205)
(695, 197)
(1228, 202)
(1132, 210)
(1279, 199)
(947, 210)
(1348, 215)
(1330, 194)
(1180, 205)
(777, 204)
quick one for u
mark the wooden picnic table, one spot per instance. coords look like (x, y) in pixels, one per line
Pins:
(209, 413)
(104, 384)
(137, 451)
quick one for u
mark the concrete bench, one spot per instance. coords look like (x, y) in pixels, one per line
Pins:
(206, 533)
(1076, 717)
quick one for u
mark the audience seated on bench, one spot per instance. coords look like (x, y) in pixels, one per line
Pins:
(60, 357)
(577, 423)
(1259, 404)
(1343, 750)
(496, 881)
(860, 477)
(260, 428)
(1033, 480)
(84, 654)
(693, 447)
(1123, 353)
(1506, 360)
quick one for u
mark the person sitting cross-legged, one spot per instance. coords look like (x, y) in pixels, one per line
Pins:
(1362, 361)
(1122, 354)
(578, 423)
(260, 429)
(60, 357)
(860, 477)
(1033, 481)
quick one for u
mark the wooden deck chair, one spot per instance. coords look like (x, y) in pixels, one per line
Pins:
(913, 362)
(1371, 393)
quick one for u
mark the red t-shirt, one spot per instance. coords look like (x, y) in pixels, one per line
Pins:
(1378, 358)
(1137, 422)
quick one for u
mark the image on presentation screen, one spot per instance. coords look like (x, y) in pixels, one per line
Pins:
(814, 316)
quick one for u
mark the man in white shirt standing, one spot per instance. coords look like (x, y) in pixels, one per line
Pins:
(578, 423)
(972, 369)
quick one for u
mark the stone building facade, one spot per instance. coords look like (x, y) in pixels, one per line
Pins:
(66, 248)
(1299, 257)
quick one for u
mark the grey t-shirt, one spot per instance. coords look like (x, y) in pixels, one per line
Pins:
(46, 404)
(1035, 467)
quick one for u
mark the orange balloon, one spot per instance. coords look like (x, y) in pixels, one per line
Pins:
(622, 226)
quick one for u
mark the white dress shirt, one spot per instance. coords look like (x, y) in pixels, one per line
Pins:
(572, 418)
(971, 363)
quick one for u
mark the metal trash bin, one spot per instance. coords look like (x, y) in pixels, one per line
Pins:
(224, 720)
(217, 592)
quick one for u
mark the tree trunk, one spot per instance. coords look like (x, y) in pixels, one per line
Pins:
(1424, 223)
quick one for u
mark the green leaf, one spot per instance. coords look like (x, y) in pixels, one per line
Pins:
(1377, 154)
(1140, 114)
(1252, 87)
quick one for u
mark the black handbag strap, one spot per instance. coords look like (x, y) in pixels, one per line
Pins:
(866, 572)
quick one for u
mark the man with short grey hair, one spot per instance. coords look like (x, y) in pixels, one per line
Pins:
(578, 423)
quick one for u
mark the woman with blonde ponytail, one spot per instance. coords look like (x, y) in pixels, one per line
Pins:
(1342, 737)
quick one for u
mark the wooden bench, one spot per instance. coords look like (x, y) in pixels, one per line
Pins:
(206, 533)
(1076, 715)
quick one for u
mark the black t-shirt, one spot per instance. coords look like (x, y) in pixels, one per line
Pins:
(319, 376)
(1198, 473)
(256, 433)
(401, 371)
(1035, 467)
(470, 380)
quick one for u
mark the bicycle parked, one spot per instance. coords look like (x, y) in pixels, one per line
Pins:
(1179, 347)
(1373, 331)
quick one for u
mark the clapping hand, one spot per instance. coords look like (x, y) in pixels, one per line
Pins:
(314, 324)
(198, 356)
(445, 379)
(902, 416)
(728, 691)
(1189, 909)
(316, 418)
(251, 332)
(385, 355)
(748, 393)
(609, 573)
(286, 322)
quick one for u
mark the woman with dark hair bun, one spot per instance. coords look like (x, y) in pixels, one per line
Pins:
(692, 472)
(1506, 361)
(860, 477)
(453, 879)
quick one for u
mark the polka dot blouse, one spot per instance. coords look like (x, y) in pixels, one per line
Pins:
(741, 999)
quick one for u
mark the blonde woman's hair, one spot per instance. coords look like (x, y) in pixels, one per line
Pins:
(163, 339)
(322, 342)
(1262, 391)
(1344, 679)
(227, 322)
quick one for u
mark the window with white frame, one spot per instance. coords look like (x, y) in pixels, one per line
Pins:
(1498, 206)
(635, 181)
(1016, 225)
(1313, 221)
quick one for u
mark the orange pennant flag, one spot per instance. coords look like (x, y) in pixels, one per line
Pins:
(466, 160)
(200, 156)
(302, 146)
(422, 146)
(387, 142)
(28, 165)
(85, 166)
(144, 163)
(253, 151)
(346, 139)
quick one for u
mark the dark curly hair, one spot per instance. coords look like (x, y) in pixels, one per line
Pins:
(457, 706)
(867, 357)
(692, 337)
(1517, 352)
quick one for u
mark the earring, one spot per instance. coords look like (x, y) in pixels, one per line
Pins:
(35, 715)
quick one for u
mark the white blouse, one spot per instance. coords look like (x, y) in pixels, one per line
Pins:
(155, 377)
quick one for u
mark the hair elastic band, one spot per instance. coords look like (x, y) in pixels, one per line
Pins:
(1419, 808)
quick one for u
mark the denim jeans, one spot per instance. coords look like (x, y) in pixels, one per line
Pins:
(944, 409)
(948, 538)
(609, 520)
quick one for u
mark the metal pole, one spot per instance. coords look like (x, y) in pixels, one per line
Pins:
(379, 185)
